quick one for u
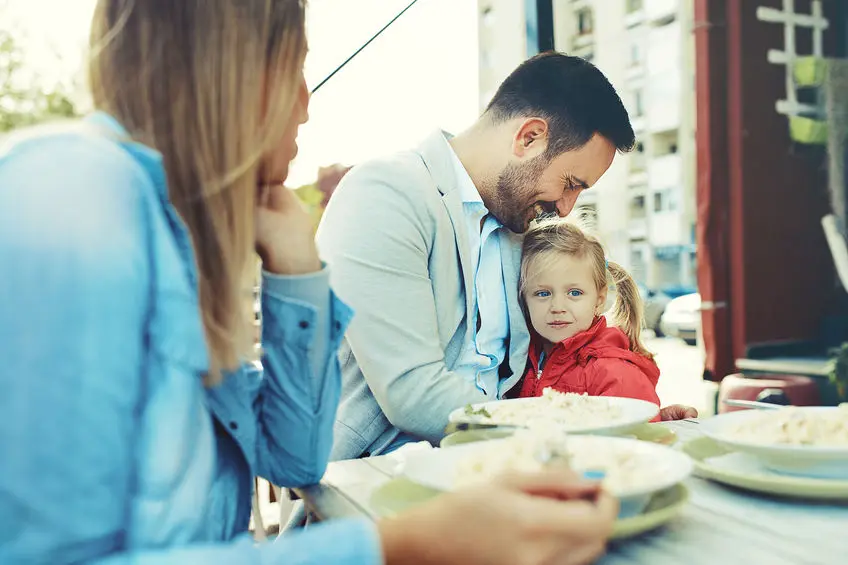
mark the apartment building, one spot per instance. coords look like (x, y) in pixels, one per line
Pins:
(645, 204)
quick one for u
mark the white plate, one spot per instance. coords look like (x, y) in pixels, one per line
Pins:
(633, 413)
(665, 467)
(826, 462)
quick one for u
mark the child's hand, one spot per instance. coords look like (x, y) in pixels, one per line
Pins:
(677, 412)
(526, 519)
(285, 234)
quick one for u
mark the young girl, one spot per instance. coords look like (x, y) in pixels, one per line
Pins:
(563, 288)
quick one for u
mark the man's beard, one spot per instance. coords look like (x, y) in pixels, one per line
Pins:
(515, 206)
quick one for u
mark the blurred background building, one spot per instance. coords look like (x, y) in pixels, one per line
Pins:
(645, 204)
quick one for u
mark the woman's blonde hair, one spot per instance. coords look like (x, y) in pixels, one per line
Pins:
(549, 239)
(212, 86)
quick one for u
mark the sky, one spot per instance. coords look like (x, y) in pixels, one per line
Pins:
(421, 74)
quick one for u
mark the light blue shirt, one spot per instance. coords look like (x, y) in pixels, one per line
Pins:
(483, 355)
(112, 451)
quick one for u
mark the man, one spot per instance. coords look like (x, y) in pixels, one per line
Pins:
(425, 246)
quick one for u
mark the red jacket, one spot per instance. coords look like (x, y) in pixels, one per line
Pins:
(598, 362)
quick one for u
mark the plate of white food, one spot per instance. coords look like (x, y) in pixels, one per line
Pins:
(631, 470)
(566, 412)
(794, 440)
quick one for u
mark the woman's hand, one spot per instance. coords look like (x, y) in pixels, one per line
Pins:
(549, 518)
(285, 235)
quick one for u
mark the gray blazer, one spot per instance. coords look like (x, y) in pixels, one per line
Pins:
(395, 237)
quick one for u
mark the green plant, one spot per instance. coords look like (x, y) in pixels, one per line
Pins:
(838, 373)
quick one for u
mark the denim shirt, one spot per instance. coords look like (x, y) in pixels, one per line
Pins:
(112, 451)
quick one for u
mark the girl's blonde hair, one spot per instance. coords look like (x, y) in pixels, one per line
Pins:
(212, 86)
(549, 239)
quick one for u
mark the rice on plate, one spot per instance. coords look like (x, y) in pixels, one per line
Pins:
(794, 425)
(807, 441)
(631, 470)
(567, 412)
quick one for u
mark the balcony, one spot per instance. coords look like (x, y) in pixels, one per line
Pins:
(637, 179)
(584, 40)
(666, 229)
(664, 50)
(639, 123)
(635, 71)
(665, 171)
(635, 18)
(637, 227)
(663, 110)
(660, 10)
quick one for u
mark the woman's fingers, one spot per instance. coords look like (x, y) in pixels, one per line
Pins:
(558, 482)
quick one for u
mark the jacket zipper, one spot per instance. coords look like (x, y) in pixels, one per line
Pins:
(541, 363)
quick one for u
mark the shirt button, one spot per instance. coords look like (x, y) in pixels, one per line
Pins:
(338, 326)
(234, 426)
(303, 324)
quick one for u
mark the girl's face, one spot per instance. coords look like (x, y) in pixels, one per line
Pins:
(562, 298)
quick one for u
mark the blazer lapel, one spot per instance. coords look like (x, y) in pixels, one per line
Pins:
(519, 336)
(438, 160)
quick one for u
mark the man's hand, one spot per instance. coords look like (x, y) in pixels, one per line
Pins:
(549, 518)
(285, 234)
(677, 412)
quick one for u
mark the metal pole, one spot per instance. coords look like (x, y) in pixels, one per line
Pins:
(540, 26)
(366, 44)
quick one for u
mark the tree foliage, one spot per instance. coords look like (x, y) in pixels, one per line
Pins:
(24, 100)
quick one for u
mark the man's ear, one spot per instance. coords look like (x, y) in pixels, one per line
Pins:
(531, 138)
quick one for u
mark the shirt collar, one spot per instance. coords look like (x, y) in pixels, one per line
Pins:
(469, 192)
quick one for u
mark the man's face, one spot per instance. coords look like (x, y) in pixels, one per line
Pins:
(525, 187)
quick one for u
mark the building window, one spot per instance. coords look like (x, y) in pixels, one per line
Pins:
(670, 200)
(637, 263)
(667, 20)
(487, 16)
(665, 200)
(665, 143)
(635, 55)
(637, 207)
(633, 6)
(486, 59)
(585, 24)
(637, 159)
(638, 103)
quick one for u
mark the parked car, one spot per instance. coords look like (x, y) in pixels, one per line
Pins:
(677, 291)
(682, 318)
(655, 303)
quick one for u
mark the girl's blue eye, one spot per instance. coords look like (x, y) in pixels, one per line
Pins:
(574, 293)
(543, 293)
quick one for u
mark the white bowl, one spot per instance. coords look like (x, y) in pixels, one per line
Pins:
(633, 413)
(664, 467)
(823, 462)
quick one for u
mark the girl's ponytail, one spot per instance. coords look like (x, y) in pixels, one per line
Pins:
(628, 311)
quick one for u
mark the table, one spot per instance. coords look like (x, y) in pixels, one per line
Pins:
(807, 367)
(720, 525)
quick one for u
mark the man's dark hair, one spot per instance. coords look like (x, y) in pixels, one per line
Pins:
(571, 94)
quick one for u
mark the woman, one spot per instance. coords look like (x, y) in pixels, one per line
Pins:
(133, 423)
